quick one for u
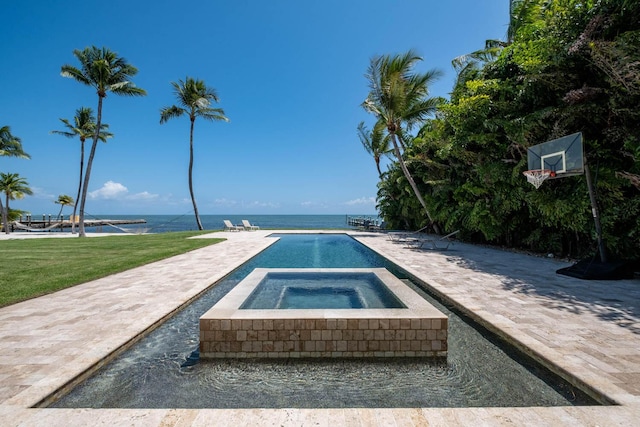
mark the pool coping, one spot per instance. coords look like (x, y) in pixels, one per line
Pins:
(238, 295)
(496, 286)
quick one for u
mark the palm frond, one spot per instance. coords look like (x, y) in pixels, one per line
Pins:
(171, 112)
(212, 114)
(127, 88)
(104, 70)
(72, 72)
(84, 126)
(63, 133)
(65, 200)
(196, 98)
(374, 141)
(10, 145)
(14, 186)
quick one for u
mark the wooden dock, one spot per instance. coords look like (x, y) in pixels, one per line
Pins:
(363, 223)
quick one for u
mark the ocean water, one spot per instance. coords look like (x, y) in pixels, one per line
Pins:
(187, 222)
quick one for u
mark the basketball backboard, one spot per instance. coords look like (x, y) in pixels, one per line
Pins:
(563, 156)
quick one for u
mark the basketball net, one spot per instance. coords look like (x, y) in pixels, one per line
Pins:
(537, 176)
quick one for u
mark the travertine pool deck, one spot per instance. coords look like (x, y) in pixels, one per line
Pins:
(588, 330)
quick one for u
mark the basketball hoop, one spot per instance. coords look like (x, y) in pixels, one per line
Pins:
(537, 176)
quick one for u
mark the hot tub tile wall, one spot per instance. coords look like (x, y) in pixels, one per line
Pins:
(419, 330)
(297, 338)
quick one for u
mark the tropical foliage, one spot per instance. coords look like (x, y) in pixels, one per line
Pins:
(398, 98)
(106, 72)
(567, 66)
(375, 143)
(10, 145)
(194, 99)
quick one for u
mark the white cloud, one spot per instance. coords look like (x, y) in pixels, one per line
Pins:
(110, 190)
(313, 205)
(145, 195)
(361, 201)
(40, 193)
(258, 204)
(225, 202)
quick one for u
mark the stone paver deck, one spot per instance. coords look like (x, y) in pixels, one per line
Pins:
(589, 331)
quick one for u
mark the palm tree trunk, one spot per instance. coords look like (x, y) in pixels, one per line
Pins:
(377, 159)
(193, 199)
(405, 170)
(6, 214)
(5, 217)
(60, 218)
(75, 205)
(92, 153)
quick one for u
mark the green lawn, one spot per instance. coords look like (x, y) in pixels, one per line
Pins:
(34, 267)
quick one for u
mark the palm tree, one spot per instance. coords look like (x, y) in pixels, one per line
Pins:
(64, 200)
(375, 143)
(83, 127)
(194, 99)
(10, 146)
(103, 70)
(399, 100)
(14, 187)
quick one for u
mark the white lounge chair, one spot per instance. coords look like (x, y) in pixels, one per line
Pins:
(247, 225)
(440, 244)
(405, 236)
(378, 227)
(228, 226)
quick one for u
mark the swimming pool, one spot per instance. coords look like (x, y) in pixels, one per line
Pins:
(480, 370)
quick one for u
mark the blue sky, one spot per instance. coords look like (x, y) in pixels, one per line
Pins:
(289, 74)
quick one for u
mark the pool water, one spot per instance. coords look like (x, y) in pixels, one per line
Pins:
(320, 251)
(315, 290)
(321, 297)
(162, 370)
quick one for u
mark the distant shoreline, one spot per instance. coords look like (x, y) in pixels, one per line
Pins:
(160, 223)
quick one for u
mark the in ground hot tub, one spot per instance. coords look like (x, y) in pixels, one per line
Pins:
(320, 290)
(282, 313)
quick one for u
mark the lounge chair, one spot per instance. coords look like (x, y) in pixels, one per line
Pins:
(247, 225)
(378, 227)
(228, 226)
(440, 244)
(405, 236)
